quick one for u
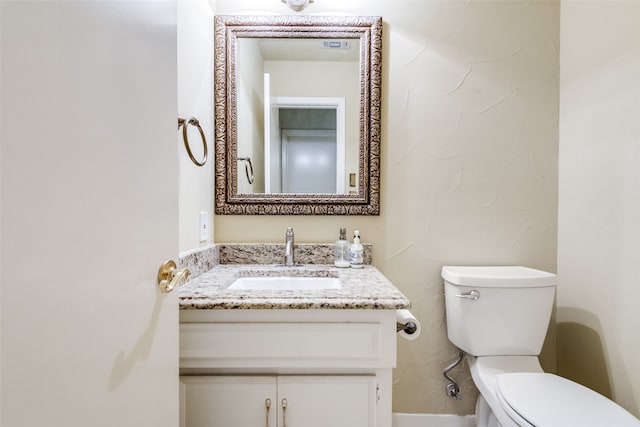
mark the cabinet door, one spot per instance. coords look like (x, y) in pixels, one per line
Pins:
(323, 401)
(228, 401)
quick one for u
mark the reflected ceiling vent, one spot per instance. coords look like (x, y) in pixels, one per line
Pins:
(336, 44)
(297, 5)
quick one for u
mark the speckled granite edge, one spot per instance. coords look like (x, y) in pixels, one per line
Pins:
(364, 288)
(273, 253)
(199, 260)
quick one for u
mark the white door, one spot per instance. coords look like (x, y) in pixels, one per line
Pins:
(272, 141)
(88, 213)
(308, 161)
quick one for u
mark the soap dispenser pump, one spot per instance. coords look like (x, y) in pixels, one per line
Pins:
(341, 250)
(357, 251)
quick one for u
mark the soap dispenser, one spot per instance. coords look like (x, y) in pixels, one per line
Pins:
(341, 250)
(357, 251)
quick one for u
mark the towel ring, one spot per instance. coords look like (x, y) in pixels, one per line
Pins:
(196, 123)
(248, 168)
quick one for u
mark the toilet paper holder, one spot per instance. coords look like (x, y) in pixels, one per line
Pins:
(409, 327)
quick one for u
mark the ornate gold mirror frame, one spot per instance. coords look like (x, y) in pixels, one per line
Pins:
(368, 31)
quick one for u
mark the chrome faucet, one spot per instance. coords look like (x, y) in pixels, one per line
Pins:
(289, 259)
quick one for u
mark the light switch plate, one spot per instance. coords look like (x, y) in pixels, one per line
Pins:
(204, 226)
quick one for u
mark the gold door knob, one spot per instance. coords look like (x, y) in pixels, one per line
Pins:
(169, 276)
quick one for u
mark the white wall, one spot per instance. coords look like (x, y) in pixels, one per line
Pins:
(599, 210)
(0, 219)
(469, 161)
(250, 101)
(195, 99)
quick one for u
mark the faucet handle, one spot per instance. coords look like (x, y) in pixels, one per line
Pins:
(289, 259)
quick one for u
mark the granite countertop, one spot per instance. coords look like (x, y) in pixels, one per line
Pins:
(364, 288)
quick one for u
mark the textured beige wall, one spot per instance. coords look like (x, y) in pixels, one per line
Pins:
(469, 161)
(599, 231)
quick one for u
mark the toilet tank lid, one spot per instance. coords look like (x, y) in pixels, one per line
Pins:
(497, 276)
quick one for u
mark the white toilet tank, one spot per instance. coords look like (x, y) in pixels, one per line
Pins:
(498, 311)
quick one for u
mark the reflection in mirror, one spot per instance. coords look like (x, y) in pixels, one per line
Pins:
(298, 99)
(304, 87)
(305, 150)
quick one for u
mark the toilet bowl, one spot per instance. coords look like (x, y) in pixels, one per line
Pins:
(541, 399)
(499, 317)
(518, 393)
(485, 372)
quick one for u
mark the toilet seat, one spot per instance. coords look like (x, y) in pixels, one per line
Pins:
(485, 371)
(547, 400)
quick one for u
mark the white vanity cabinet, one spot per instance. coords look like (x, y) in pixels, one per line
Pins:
(305, 401)
(331, 367)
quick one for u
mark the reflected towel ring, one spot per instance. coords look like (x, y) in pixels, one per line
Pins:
(196, 123)
(248, 168)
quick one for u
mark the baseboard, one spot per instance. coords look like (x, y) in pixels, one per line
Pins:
(432, 420)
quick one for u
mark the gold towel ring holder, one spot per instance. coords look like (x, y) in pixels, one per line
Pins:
(193, 121)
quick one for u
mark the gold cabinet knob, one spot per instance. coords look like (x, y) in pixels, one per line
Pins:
(169, 276)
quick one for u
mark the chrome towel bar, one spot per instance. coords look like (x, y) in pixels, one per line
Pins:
(248, 168)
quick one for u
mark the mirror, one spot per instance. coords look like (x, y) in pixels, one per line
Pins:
(297, 115)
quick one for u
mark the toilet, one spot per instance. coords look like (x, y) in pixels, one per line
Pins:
(499, 317)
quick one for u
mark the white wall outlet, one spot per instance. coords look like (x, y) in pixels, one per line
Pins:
(204, 226)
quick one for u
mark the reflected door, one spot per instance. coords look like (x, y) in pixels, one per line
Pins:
(304, 128)
(308, 161)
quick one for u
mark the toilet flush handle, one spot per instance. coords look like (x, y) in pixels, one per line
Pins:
(474, 295)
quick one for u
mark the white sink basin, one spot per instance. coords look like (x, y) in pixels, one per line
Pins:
(286, 283)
